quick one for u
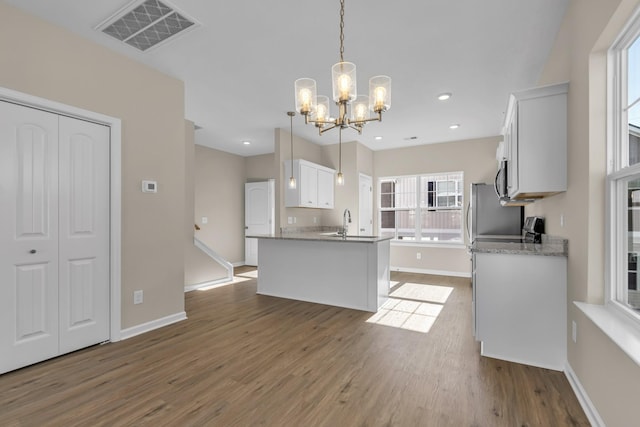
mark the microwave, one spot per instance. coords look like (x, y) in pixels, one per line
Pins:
(500, 182)
(501, 185)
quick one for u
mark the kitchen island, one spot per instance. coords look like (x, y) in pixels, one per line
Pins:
(351, 272)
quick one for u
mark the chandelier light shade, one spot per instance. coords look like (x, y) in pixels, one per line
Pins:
(380, 93)
(343, 80)
(306, 96)
(353, 110)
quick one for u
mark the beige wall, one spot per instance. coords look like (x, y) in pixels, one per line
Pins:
(261, 168)
(219, 196)
(198, 267)
(43, 60)
(609, 377)
(476, 158)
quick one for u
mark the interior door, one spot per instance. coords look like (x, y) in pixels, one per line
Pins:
(84, 234)
(54, 235)
(365, 217)
(28, 236)
(259, 216)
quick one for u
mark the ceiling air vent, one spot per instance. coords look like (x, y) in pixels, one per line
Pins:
(147, 24)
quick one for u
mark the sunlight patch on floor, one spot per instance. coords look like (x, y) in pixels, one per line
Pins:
(418, 292)
(252, 274)
(413, 307)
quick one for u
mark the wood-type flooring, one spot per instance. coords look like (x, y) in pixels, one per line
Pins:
(243, 359)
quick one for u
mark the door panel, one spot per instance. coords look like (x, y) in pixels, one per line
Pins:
(259, 216)
(28, 236)
(84, 234)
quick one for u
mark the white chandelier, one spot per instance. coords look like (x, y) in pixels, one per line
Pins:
(354, 110)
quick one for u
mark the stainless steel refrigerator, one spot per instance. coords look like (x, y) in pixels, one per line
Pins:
(486, 217)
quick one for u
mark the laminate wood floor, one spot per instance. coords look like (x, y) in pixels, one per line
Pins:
(243, 359)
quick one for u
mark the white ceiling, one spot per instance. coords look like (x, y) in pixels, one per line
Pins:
(240, 64)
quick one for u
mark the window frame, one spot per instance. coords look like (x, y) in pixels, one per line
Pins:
(619, 173)
(421, 205)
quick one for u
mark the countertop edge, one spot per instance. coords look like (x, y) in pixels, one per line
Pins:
(317, 237)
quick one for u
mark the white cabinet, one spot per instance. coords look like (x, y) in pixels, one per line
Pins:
(519, 307)
(535, 136)
(314, 185)
(325, 188)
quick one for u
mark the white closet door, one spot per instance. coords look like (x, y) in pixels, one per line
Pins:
(84, 234)
(28, 236)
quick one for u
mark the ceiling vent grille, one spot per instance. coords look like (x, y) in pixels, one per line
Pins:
(146, 25)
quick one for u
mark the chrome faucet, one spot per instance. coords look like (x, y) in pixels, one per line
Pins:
(346, 217)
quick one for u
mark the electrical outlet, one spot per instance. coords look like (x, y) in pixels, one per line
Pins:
(290, 220)
(574, 331)
(561, 220)
(205, 220)
(418, 255)
(138, 297)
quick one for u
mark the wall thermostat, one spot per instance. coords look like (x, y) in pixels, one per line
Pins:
(149, 187)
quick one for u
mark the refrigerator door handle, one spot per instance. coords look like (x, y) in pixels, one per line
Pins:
(467, 221)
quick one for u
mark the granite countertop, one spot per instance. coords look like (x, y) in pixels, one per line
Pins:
(550, 246)
(321, 237)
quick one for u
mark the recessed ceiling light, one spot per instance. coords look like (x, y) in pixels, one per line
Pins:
(378, 138)
(246, 142)
(454, 126)
(444, 96)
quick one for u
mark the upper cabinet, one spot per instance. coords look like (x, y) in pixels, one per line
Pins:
(314, 185)
(535, 139)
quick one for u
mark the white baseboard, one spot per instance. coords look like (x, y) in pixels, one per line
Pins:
(587, 406)
(150, 326)
(428, 271)
(208, 284)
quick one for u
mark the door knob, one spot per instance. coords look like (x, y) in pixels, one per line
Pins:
(32, 251)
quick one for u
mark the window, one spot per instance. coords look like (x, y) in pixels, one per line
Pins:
(423, 208)
(623, 173)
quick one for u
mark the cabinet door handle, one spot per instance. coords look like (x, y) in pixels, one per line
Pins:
(32, 251)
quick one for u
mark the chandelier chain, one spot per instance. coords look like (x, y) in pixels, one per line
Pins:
(341, 30)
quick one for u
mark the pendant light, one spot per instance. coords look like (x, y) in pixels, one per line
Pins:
(315, 108)
(292, 180)
(340, 177)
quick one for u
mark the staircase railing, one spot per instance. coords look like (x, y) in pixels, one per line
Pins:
(217, 258)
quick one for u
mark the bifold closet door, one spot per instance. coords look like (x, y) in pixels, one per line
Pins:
(54, 235)
(83, 233)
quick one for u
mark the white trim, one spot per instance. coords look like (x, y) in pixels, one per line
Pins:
(208, 284)
(429, 271)
(583, 398)
(154, 324)
(215, 256)
(621, 329)
(115, 184)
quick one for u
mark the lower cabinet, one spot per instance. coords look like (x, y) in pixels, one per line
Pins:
(519, 308)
